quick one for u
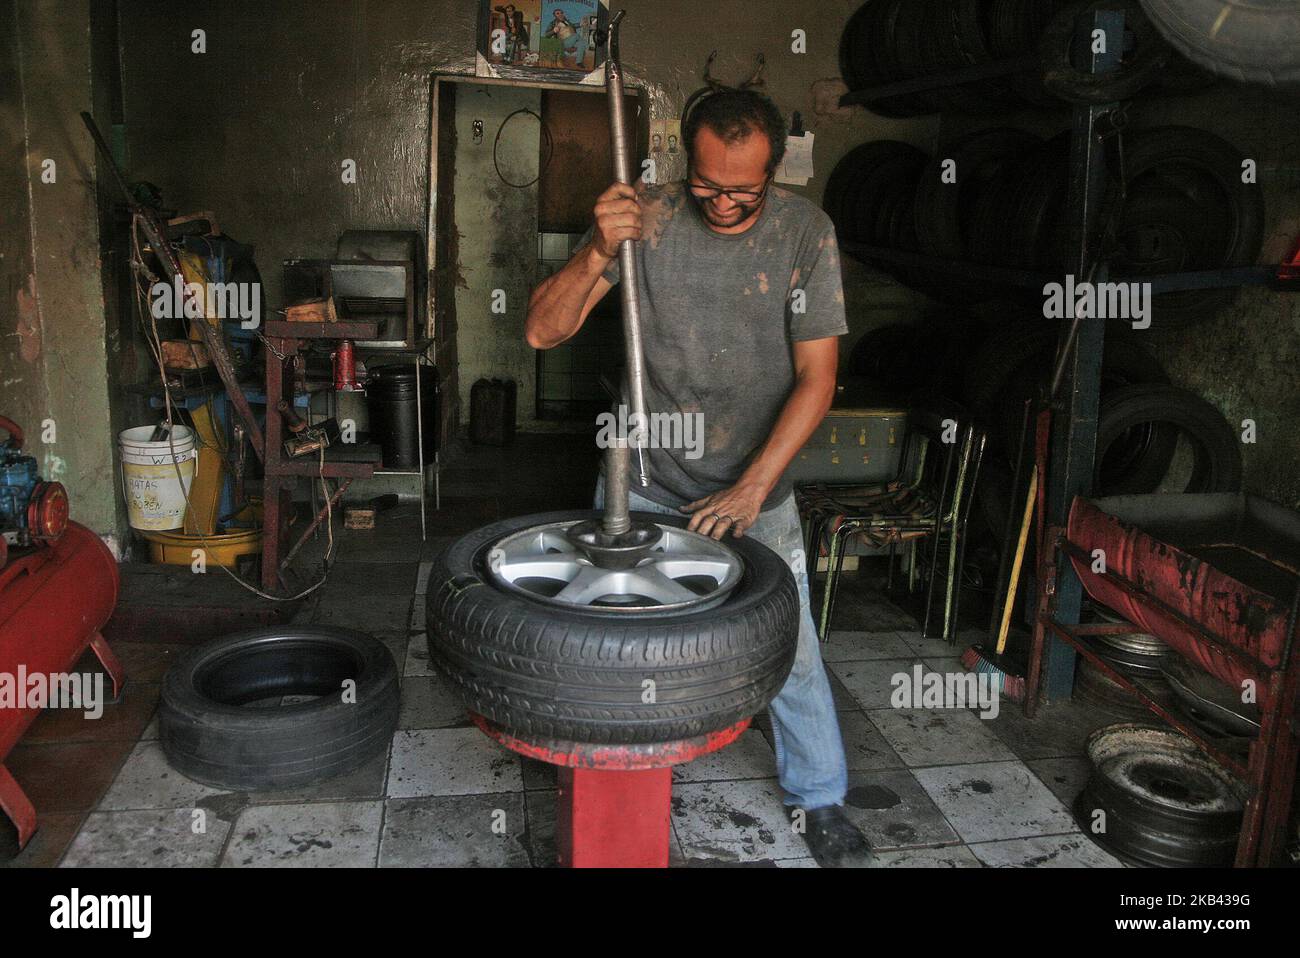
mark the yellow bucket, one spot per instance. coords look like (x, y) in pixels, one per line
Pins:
(177, 548)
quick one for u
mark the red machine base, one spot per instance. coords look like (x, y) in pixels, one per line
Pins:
(615, 801)
(614, 819)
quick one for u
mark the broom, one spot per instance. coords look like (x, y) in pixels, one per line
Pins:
(1008, 678)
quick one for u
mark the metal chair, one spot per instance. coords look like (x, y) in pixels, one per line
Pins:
(930, 499)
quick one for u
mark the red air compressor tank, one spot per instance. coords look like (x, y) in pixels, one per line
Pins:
(53, 602)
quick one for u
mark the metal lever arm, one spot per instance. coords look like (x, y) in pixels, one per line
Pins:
(627, 254)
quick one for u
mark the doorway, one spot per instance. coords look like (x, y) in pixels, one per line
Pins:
(515, 171)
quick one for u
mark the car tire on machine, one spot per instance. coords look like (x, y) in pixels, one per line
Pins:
(209, 733)
(545, 671)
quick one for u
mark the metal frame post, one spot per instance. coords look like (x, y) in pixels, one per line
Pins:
(1074, 444)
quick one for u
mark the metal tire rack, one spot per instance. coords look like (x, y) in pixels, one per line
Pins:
(1094, 130)
(1271, 769)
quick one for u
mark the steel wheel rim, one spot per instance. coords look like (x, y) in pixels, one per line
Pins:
(684, 571)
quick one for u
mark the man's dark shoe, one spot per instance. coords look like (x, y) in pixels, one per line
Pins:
(833, 840)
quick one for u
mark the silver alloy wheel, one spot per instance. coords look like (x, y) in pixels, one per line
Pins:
(683, 570)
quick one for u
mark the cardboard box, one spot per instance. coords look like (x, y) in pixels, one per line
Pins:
(317, 310)
(184, 354)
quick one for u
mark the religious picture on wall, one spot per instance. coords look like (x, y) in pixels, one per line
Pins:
(512, 32)
(543, 35)
(569, 34)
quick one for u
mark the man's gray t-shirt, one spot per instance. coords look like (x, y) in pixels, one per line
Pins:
(719, 313)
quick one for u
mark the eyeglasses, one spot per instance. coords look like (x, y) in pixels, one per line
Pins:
(703, 192)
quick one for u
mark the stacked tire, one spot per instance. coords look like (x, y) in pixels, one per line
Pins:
(1255, 42)
(1151, 435)
(870, 198)
(999, 197)
(890, 41)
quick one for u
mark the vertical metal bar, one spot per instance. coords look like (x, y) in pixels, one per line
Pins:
(834, 569)
(937, 533)
(618, 475)
(419, 437)
(272, 501)
(1074, 445)
(957, 555)
(628, 287)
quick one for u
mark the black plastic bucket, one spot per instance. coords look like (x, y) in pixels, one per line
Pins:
(394, 424)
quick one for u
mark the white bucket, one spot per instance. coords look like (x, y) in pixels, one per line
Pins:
(154, 499)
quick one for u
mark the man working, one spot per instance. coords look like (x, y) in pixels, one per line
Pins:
(741, 306)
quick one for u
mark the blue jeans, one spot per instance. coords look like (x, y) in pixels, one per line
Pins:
(805, 729)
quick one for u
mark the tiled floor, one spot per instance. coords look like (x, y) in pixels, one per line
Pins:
(931, 788)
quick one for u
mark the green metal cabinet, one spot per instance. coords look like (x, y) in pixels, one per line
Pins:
(851, 446)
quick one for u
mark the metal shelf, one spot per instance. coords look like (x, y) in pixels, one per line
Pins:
(418, 352)
(935, 81)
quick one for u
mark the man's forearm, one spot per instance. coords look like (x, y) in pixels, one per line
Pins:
(555, 307)
(803, 412)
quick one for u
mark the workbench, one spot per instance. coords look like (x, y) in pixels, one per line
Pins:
(284, 342)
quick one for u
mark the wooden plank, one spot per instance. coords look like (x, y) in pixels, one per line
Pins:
(280, 329)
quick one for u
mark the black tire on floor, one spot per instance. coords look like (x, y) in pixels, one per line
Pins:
(578, 674)
(1254, 42)
(210, 735)
(1215, 446)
